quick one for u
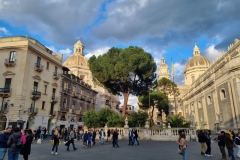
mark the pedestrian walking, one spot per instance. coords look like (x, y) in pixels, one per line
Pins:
(136, 136)
(55, 141)
(65, 134)
(108, 135)
(208, 143)
(12, 144)
(202, 141)
(130, 134)
(115, 139)
(94, 137)
(102, 135)
(42, 134)
(238, 144)
(221, 144)
(71, 137)
(85, 139)
(89, 139)
(26, 150)
(182, 145)
(3, 142)
(229, 144)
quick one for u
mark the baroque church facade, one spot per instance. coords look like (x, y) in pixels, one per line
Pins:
(209, 99)
(78, 65)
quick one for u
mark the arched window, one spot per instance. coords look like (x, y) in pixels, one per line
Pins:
(209, 100)
(223, 94)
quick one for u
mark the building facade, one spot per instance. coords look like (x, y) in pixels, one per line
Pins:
(76, 98)
(78, 66)
(210, 97)
(29, 83)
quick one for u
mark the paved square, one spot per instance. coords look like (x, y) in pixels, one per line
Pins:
(147, 150)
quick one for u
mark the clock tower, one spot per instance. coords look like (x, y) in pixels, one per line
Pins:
(163, 70)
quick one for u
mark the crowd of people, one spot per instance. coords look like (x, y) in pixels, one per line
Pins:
(227, 140)
(16, 142)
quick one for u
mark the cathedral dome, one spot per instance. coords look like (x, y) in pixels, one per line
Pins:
(76, 59)
(197, 60)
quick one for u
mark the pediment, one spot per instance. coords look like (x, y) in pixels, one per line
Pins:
(55, 84)
(36, 77)
(8, 73)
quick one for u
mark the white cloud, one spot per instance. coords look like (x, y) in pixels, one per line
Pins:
(211, 53)
(4, 30)
(132, 100)
(97, 52)
(66, 52)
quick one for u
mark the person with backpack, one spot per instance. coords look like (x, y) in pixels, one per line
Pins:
(3, 142)
(25, 151)
(14, 144)
(55, 139)
(89, 139)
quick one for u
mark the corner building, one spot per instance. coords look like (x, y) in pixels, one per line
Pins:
(29, 83)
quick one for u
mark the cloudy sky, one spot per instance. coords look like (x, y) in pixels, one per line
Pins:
(163, 28)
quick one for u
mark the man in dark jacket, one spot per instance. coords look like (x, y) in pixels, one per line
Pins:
(3, 142)
(94, 137)
(229, 144)
(202, 141)
(115, 139)
(13, 151)
(221, 144)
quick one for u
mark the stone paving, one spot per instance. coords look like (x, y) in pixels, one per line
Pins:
(147, 150)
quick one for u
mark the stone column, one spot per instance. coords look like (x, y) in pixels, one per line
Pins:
(215, 101)
(205, 115)
(233, 102)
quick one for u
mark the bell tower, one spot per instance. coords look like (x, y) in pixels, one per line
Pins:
(163, 70)
(78, 48)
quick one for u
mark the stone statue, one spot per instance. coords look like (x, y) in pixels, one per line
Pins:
(220, 119)
(163, 116)
(191, 117)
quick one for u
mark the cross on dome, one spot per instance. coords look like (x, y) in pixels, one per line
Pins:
(196, 50)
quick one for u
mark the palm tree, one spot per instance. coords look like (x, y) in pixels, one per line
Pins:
(177, 121)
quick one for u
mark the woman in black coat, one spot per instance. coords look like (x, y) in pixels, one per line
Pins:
(25, 151)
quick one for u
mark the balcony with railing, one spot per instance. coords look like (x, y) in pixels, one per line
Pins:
(54, 99)
(5, 92)
(52, 113)
(10, 62)
(56, 75)
(38, 67)
(3, 109)
(64, 109)
(75, 94)
(32, 111)
(36, 95)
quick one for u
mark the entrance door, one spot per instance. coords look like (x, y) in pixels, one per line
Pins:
(8, 82)
(35, 86)
(38, 61)
(51, 109)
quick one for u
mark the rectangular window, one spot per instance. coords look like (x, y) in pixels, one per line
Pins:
(47, 65)
(53, 93)
(8, 82)
(45, 89)
(12, 56)
(55, 69)
(35, 86)
(38, 61)
(43, 104)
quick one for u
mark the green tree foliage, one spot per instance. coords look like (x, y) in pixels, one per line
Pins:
(90, 119)
(168, 87)
(114, 120)
(124, 72)
(137, 118)
(177, 121)
(157, 99)
(103, 115)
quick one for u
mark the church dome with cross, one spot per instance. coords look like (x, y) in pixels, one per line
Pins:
(195, 66)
